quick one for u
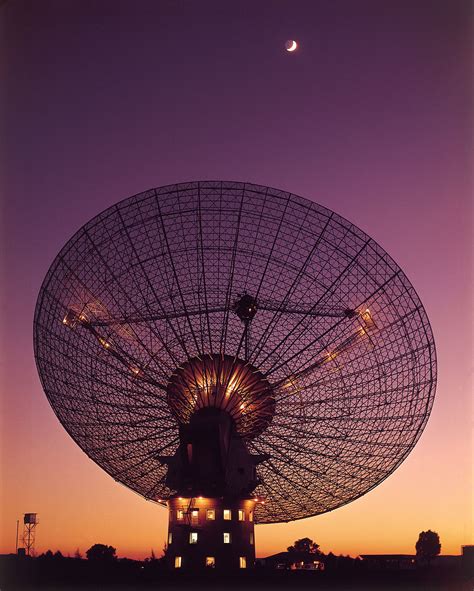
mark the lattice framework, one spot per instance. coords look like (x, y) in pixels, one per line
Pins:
(339, 333)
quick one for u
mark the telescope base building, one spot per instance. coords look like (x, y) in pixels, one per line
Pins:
(207, 533)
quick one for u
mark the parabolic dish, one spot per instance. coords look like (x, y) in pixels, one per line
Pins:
(339, 337)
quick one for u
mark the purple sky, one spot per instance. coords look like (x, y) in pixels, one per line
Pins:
(371, 117)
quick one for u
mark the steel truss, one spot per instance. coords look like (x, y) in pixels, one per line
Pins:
(335, 328)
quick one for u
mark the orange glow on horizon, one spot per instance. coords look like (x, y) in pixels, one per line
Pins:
(73, 517)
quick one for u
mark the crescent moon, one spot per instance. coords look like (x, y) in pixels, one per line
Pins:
(293, 46)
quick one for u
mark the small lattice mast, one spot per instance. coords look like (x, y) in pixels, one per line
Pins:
(30, 522)
(236, 353)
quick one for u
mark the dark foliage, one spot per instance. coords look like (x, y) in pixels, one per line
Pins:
(102, 553)
(304, 545)
(428, 545)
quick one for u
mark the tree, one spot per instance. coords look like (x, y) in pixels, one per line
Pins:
(102, 553)
(77, 554)
(152, 558)
(305, 546)
(428, 545)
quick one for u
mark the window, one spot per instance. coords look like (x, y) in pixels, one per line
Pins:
(241, 515)
(193, 537)
(251, 538)
(227, 514)
(177, 561)
(242, 562)
(170, 538)
(195, 516)
(250, 515)
(226, 538)
(210, 561)
(210, 514)
(180, 515)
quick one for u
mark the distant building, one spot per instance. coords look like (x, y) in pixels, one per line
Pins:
(406, 561)
(467, 558)
(446, 561)
(389, 561)
(467, 552)
(294, 561)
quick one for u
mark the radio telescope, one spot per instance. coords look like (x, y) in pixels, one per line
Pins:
(236, 353)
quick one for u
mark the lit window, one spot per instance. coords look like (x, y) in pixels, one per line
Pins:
(210, 514)
(251, 538)
(180, 515)
(210, 561)
(226, 538)
(170, 538)
(227, 514)
(195, 516)
(242, 562)
(193, 537)
(241, 515)
(177, 561)
(250, 515)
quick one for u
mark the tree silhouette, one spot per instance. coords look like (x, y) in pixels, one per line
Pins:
(101, 552)
(152, 559)
(428, 545)
(305, 546)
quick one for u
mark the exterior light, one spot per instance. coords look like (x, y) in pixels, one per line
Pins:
(330, 356)
(70, 319)
(368, 320)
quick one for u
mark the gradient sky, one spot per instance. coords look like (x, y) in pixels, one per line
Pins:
(371, 117)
